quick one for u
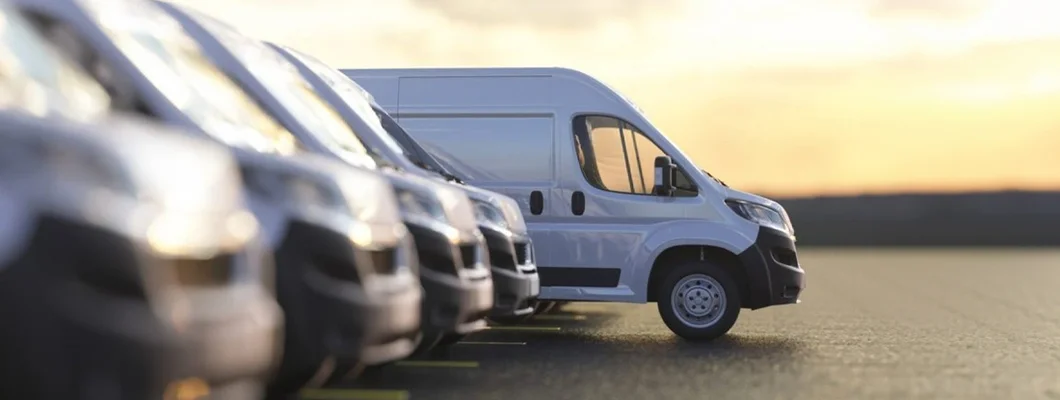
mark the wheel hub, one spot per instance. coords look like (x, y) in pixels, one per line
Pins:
(698, 300)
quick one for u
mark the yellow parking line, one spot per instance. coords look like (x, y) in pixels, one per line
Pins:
(497, 343)
(524, 328)
(437, 364)
(354, 394)
(560, 317)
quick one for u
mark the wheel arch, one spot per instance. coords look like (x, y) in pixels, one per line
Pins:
(673, 256)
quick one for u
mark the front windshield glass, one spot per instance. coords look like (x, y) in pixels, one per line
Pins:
(282, 80)
(160, 49)
(36, 79)
(351, 93)
(642, 114)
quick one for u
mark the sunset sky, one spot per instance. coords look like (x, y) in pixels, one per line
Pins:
(786, 97)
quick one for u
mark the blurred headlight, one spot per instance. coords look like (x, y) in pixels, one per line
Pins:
(81, 165)
(487, 214)
(420, 204)
(760, 214)
(302, 191)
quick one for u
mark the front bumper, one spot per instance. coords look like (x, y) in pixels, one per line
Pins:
(392, 322)
(319, 287)
(457, 285)
(75, 311)
(773, 271)
(237, 334)
(516, 284)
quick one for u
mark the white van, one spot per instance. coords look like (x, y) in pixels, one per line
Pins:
(616, 211)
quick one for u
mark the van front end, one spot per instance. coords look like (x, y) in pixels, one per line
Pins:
(516, 285)
(452, 255)
(775, 276)
(336, 234)
(142, 255)
(230, 324)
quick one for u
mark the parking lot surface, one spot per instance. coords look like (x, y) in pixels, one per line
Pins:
(938, 324)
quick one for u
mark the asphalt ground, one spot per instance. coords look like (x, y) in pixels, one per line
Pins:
(895, 324)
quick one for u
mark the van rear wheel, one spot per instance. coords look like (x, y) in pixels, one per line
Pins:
(698, 301)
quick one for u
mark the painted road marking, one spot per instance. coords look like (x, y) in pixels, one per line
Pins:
(560, 317)
(354, 394)
(524, 328)
(496, 343)
(437, 364)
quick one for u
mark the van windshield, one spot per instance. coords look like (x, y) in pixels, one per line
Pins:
(283, 81)
(644, 116)
(355, 97)
(36, 79)
(176, 66)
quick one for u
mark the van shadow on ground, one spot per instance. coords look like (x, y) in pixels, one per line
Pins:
(591, 347)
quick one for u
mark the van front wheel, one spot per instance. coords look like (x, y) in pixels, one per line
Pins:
(698, 301)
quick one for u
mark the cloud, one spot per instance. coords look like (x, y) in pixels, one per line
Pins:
(932, 9)
(565, 15)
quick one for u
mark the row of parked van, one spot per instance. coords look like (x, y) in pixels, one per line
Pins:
(187, 209)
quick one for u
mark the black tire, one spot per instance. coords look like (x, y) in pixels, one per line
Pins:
(701, 292)
(345, 371)
(450, 339)
(429, 341)
(543, 307)
(510, 319)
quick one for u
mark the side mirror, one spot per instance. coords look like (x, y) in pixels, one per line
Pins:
(664, 176)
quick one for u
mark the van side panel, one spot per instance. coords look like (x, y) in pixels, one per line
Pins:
(383, 88)
(471, 125)
(490, 151)
(481, 92)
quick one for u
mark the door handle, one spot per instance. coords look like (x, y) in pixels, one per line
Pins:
(577, 203)
(537, 202)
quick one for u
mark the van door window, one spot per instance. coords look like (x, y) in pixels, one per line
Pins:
(616, 156)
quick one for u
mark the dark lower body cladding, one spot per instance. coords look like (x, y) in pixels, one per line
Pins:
(773, 272)
(453, 305)
(515, 292)
(313, 266)
(75, 326)
(515, 281)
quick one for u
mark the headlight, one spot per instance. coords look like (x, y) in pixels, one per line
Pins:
(760, 214)
(421, 204)
(487, 214)
(296, 189)
(68, 162)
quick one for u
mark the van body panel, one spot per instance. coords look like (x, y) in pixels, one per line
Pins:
(601, 243)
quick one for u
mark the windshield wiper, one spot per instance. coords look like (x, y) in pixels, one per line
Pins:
(712, 177)
(444, 174)
(382, 162)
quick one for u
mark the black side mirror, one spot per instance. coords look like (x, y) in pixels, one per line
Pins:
(664, 176)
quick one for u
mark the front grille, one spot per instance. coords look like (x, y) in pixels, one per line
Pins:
(522, 253)
(469, 255)
(216, 271)
(785, 256)
(384, 261)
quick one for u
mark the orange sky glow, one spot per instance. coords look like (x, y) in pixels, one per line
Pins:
(785, 97)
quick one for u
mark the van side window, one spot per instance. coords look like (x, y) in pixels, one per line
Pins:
(617, 157)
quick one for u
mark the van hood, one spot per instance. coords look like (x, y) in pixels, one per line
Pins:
(506, 204)
(459, 211)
